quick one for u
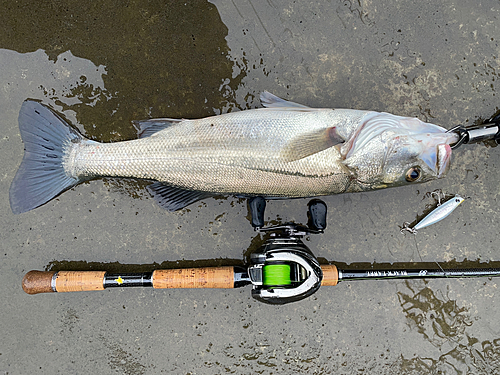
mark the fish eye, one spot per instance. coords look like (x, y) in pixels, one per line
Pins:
(413, 174)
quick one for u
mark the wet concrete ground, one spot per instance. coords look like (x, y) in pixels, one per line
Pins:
(103, 64)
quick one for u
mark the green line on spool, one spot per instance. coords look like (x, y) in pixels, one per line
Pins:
(276, 274)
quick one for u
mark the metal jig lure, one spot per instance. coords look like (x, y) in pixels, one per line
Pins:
(438, 214)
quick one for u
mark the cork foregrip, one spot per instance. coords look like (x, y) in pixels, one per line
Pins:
(208, 277)
(330, 275)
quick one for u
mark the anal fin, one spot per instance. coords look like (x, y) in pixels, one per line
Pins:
(173, 198)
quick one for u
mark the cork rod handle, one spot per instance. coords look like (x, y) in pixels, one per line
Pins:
(35, 282)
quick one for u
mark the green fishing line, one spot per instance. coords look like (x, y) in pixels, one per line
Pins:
(277, 274)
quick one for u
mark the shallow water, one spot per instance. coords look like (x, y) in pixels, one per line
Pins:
(105, 63)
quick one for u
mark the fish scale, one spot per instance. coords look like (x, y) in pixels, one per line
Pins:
(210, 173)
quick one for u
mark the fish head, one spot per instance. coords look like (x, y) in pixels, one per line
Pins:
(390, 150)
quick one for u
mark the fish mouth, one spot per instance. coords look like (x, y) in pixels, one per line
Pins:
(443, 159)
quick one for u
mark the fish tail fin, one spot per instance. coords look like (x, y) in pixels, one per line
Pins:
(41, 176)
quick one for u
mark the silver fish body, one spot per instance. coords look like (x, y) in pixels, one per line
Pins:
(283, 151)
(236, 153)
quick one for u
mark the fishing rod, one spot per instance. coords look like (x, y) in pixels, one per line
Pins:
(284, 270)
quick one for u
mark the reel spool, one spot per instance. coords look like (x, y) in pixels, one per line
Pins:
(276, 275)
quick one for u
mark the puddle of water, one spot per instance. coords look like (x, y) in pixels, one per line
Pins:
(449, 327)
(160, 60)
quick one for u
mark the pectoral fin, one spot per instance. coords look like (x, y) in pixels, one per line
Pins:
(310, 144)
(173, 198)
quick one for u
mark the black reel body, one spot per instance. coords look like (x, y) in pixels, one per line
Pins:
(285, 270)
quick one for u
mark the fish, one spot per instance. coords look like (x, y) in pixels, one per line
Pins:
(283, 150)
(439, 213)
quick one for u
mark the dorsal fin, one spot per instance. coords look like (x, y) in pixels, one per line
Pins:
(269, 100)
(272, 102)
(147, 128)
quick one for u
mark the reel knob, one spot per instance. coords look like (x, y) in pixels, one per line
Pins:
(257, 208)
(317, 215)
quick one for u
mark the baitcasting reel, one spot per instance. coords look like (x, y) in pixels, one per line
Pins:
(285, 270)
